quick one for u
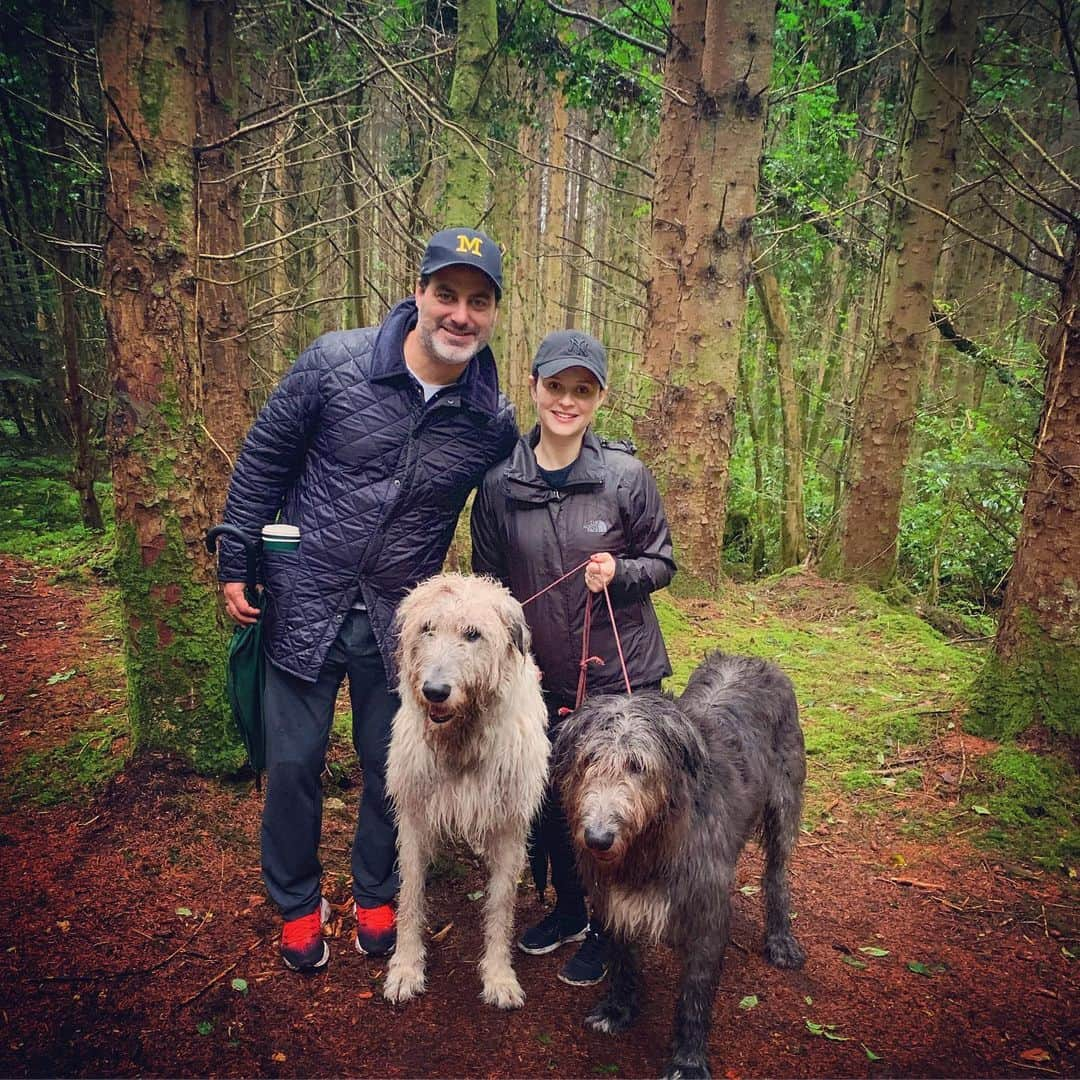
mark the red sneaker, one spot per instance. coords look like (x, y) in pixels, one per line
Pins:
(302, 945)
(376, 930)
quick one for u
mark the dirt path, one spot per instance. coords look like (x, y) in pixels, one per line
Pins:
(125, 922)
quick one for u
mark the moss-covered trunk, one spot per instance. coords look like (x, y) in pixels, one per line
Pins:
(889, 397)
(466, 198)
(717, 70)
(178, 408)
(1033, 675)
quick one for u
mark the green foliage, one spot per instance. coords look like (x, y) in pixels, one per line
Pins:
(40, 519)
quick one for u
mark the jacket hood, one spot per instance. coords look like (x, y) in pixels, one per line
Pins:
(479, 384)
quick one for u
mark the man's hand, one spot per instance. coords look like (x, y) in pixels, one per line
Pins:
(236, 604)
(599, 572)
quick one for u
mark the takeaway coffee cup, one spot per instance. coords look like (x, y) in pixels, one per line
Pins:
(280, 538)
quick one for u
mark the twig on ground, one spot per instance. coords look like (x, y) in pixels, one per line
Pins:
(912, 882)
(219, 976)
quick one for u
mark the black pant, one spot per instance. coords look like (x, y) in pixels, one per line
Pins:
(298, 718)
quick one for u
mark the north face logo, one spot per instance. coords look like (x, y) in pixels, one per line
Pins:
(595, 526)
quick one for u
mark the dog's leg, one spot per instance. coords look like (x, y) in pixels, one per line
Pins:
(619, 1007)
(780, 831)
(505, 855)
(405, 973)
(702, 954)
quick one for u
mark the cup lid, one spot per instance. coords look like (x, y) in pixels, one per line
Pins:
(281, 532)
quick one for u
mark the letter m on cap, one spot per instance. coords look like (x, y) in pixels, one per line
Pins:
(469, 245)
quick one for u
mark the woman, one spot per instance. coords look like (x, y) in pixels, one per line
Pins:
(565, 496)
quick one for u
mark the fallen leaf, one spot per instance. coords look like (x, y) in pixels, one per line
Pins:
(60, 676)
(365, 995)
(240, 985)
(980, 809)
(186, 911)
(277, 1056)
(204, 1027)
(749, 1002)
(855, 962)
(475, 895)
(1036, 1053)
(870, 1053)
(64, 925)
(873, 950)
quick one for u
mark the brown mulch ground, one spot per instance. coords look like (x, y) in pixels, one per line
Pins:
(125, 921)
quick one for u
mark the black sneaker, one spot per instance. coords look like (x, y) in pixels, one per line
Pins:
(551, 932)
(589, 964)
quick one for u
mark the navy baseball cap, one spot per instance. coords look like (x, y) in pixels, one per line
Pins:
(564, 349)
(464, 247)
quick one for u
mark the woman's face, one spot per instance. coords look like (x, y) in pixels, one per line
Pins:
(566, 402)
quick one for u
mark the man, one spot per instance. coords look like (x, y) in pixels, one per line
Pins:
(370, 445)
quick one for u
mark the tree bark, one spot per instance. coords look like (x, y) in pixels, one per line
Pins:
(889, 396)
(793, 545)
(467, 196)
(177, 408)
(1033, 676)
(717, 70)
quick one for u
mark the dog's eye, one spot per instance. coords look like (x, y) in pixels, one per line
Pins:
(633, 767)
(426, 628)
(470, 633)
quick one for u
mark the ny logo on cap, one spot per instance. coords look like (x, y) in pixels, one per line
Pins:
(469, 245)
(577, 347)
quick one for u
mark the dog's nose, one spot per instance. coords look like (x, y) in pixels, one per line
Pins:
(599, 839)
(436, 691)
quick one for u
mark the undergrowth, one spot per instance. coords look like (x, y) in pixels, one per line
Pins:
(40, 519)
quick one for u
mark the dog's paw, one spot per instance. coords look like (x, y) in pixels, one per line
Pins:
(609, 1018)
(503, 993)
(783, 951)
(686, 1068)
(402, 983)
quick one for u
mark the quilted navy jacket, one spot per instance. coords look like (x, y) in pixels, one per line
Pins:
(347, 450)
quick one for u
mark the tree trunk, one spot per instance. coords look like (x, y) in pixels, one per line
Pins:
(793, 545)
(705, 194)
(889, 396)
(466, 198)
(1033, 676)
(176, 409)
(84, 467)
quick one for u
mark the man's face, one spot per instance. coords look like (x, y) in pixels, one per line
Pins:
(456, 314)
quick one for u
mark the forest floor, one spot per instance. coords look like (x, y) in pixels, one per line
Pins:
(135, 938)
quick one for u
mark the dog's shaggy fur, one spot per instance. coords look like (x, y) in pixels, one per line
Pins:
(468, 760)
(660, 796)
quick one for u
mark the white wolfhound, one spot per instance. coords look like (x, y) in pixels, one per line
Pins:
(468, 760)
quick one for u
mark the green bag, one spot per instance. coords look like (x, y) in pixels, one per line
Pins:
(246, 665)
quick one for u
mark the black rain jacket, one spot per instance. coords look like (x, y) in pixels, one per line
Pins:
(527, 535)
(375, 478)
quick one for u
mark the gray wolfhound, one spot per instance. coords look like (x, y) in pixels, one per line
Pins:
(468, 760)
(660, 796)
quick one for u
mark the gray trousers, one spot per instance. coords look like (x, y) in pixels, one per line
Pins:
(298, 716)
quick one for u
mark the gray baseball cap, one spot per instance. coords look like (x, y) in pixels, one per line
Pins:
(564, 349)
(464, 247)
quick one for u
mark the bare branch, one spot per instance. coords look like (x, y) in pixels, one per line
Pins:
(592, 20)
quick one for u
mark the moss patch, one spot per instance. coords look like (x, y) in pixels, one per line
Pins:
(1038, 684)
(1032, 801)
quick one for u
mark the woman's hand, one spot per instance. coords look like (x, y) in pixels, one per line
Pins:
(600, 571)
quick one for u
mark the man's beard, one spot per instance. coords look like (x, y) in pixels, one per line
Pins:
(449, 354)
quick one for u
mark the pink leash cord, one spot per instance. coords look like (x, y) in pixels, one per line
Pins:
(586, 659)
